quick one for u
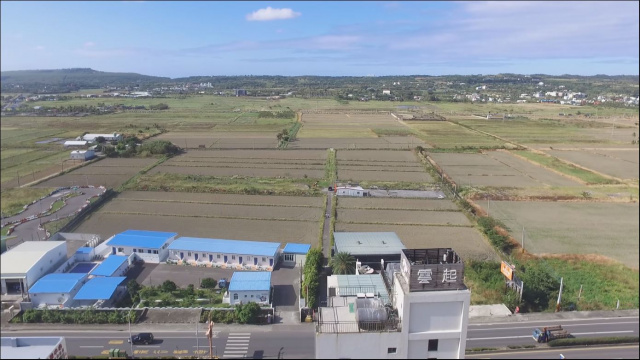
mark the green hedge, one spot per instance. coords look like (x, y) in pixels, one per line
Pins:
(594, 341)
(76, 316)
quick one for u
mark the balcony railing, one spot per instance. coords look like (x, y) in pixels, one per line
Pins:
(332, 327)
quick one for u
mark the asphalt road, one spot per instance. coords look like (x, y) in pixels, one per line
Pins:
(298, 341)
(520, 333)
(29, 230)
(598, 352)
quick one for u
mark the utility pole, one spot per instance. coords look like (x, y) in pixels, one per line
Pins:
(130, 337)
(559, 296)
(523, 239)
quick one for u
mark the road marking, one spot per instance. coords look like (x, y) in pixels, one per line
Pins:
(148, 345)
(603, 332)
(501, 337)
(238, 340)
(115, 342)
(91, 346)
(236, 351)
(530, 327)
(248, 334)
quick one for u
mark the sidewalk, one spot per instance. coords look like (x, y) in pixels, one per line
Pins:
(555, 316)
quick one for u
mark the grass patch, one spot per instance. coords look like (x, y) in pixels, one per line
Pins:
(389, 185)
(476, 349)
(330, 167)
(521, 346)
(14, 200)
(231, 185)
(595, 341)
(565, 168)
(157, 296)
(392, 132)
(485, 281)
(54, 226)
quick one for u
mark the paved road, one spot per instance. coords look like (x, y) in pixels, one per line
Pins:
(519, 333)
(293, 342)
(599, 352)
(30, 230)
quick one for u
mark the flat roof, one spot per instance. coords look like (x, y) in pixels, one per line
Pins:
(141, 239)
(368, 243)
(23, 257)
(250, 280)
(293, 248)
(222, 246)
(28, 347)
(108, 266)
(351, 285)
(56, 283)
(84, 250)
(99, 288)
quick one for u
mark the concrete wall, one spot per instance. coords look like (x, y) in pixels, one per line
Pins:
(372, 345)
(298, 259)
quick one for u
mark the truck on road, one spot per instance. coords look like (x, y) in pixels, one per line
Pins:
(548, 333)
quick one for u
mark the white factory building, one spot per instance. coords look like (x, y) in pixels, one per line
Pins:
(107, 137)
(239, 254)
(351, 191)
(83, 155)
(26, 263)
(427, 316)
(33, 348)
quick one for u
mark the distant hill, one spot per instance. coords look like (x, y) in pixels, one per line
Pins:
(71, 79)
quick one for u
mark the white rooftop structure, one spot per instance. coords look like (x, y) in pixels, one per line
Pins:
(23, 257)
(75, 143)
(107, 137)
(33, 348)
(368, 243)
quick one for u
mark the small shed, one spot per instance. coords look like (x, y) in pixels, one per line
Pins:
(82, 155)
(149, 246)
(295, 254)
(101, 292)
(351, 191)
(56, 289)
(75, 143)
(114, 265)
(249, 286)
(84, 254)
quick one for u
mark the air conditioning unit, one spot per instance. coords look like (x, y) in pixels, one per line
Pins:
(360, 295)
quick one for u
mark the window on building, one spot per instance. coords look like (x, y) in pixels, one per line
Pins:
(204, 255)
(245, 295)
(155, 251)
(148, 251)
(218, 256)
(189, 253)
(141, 250)
(264, 259)
(392, 350)
(235, 296)
(252, 295)
(288, 257)
(433, 345)
(120, 249)
(248, 258)
(233, 257)
(135, 250)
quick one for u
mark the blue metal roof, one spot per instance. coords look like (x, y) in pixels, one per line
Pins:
(99, 288)
(141, 239)
(241, 247)
(56, 283)
(293, 248)
(250, 280)
(84, 250)
(108, 266)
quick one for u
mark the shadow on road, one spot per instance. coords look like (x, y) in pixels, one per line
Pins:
(285, 295)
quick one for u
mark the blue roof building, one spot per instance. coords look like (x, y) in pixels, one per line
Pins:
(149, 246)
(56, 289)
(101, 288)
(219, 252)
(113, 265)
(295, 254)
(249, 286)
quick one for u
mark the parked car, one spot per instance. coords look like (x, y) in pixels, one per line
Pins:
(142, 338)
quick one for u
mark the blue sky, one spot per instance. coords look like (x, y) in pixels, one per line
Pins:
(177, 39)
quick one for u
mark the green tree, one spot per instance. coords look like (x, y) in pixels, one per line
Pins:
(169, 286)
(540, 286)
(100, 139)
(248, 314)
(343, 263)
(208, 283)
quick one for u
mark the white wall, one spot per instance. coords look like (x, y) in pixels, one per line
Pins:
(245, 297)
(53, 299)
(298, 259)
(46, 264)
(232, 259)
(370, 345)
(145, 255)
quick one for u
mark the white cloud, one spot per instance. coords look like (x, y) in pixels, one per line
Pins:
(270, 13)
(39, 47)
(89, 44)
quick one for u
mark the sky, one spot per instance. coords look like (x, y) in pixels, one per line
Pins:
(179, 39)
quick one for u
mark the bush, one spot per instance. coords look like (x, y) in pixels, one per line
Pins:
(169, 286)
(247, 314)
(158, 147)
(594, 341)
(208, 283)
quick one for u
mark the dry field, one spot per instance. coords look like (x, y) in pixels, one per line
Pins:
(380, 165)
(622, 163)
(259, 163)
(110, 173)
(497, 169)
(346, 125)
(444, 134)
(419, 223)
(466, 241)
(240, 217)
(386, 142)
(609, 229)
(222, 140)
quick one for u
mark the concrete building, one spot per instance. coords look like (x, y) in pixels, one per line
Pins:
(23, 265)
(254, 255)
(33, 348)
(56, 290)
(114, 265)
(351, 191)
(343, 286)
(369, 247)
(427, 317)
(149, 246)
(75, 143)
(83, 155)
(248, 286)
(107, 137)
(295, 254)
(101, 292)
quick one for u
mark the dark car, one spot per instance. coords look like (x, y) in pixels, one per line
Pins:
(142, 338)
